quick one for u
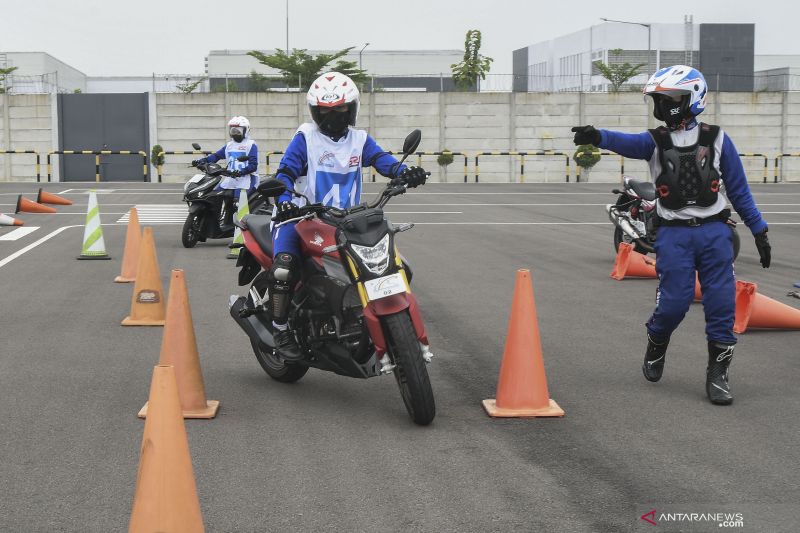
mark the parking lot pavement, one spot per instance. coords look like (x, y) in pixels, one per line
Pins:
(338, 454)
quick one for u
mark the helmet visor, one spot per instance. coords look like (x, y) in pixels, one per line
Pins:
(236, 132)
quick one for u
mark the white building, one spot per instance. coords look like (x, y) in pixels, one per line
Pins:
(409, 69)
(723, 52)
(39, 72)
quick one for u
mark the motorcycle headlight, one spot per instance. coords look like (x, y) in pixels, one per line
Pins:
(374, 258)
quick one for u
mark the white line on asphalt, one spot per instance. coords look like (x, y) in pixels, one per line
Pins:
(780, 212)
(423, 212)
(34, 244)
(18, 233)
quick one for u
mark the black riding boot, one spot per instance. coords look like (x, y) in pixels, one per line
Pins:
(719, 359)
(653, 365)
(285, 343)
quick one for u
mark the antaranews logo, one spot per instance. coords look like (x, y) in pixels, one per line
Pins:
(666, 518)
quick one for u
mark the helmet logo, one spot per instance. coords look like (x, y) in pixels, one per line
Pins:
(329, 97)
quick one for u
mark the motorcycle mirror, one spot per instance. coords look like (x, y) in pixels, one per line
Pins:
(412, 141)
(272, 188)
(242, 158)
(196, 146)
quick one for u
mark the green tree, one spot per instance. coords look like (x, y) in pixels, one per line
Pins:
(301, 68)
(4, 72)
(474, 65)
(156, 157)
(618, 74)
(189, 87)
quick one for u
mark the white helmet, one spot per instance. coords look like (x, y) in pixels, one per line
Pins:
(686, 85)
(238, 128)
(333, 102)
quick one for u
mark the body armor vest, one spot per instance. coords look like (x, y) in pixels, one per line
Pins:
(688, 177)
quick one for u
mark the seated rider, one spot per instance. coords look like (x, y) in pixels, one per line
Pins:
(323, 161)
(242, 173)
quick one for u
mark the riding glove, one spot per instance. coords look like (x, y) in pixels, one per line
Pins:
(586, 135)
(764, 249)
(286, 211)
(413, 176)
(198, 162)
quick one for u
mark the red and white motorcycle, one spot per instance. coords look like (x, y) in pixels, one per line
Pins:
(353, 312)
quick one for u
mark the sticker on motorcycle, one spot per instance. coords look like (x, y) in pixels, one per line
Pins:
(385, 286)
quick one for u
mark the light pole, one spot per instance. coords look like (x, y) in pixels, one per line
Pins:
(287, 27)
(649, 28)
(359, 56)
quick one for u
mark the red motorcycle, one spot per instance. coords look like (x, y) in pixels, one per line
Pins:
(353, 312)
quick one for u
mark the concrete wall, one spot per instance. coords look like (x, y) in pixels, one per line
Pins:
(760, 122)
(27, 124)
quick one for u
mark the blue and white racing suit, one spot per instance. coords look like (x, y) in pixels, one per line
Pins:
(326, 170)
(705, 248)
(231, 152)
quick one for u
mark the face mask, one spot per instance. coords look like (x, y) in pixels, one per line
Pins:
(671, 112)
(237, 134)
(334, 123)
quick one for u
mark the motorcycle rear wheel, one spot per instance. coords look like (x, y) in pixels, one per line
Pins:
(189, 235)
(619, 237)
(411, 373)
(277, 369)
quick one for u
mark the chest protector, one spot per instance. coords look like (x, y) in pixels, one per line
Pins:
(688, 177)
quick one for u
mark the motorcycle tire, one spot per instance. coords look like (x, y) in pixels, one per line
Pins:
(737, 243)
(275, 367)
(411, 372)
(189, 235)
(619, 238)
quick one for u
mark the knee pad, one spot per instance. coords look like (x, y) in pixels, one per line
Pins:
(285, 269)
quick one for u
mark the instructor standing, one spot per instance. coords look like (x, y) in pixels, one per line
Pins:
(689, 161)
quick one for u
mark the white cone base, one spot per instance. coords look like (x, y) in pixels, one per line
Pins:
(212, 406)
(552, 410)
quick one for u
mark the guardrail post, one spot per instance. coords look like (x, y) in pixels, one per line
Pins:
(477, 168)
(97, 167)
(522, 167)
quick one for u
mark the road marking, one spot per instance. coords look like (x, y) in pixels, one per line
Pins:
(158, 214)
(34, 244)
(423, 212)
(780, 212)
(18, 233)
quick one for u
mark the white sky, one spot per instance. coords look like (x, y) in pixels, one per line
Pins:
(173, 36)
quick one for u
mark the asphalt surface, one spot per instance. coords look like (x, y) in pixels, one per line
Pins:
(338, 454)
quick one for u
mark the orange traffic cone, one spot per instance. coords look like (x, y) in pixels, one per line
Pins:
(147, 303)
(166, 495)
(6, 220)
(130, 257)
(698, 290)
(50, 198)
(630, 263)
(29, 206)
(522, 386)
(755, 310)
(179, 349)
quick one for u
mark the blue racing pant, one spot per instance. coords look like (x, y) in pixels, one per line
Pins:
(286, 239)
(680, 252)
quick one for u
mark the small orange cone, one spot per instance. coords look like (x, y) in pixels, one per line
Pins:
(630, 263)
(130, 257)
(50, 198)
(698, 290)
(179, 349)
(147, 303)
(166, 495)
(6, 220)
(522, 386)
(29, 206)
(755, 310)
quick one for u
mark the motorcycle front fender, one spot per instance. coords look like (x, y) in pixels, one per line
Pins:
(389, 306)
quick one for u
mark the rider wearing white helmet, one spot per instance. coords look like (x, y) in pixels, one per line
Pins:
(242, 173)
(689, 161)
(323, 161)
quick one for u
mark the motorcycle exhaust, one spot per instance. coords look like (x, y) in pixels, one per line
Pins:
(619, 220)
(259, 333)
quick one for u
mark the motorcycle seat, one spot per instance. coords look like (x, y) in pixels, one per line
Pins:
(645, 189)
(258, 226)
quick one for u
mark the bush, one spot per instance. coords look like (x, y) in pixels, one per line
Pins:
(445, 158)
(586, 156)
(155, 159)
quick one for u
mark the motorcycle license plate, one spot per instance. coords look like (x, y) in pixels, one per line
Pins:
(385, 286)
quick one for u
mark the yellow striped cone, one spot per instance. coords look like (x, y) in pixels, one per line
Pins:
(93, 245)
(238, 238)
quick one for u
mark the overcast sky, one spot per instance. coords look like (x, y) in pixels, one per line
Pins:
(140, 37)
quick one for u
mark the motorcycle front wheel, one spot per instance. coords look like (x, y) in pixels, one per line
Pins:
(191, 230)
(411, 373)
(620, 237)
